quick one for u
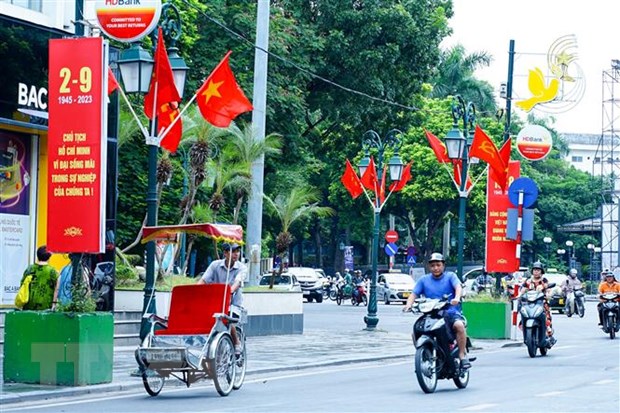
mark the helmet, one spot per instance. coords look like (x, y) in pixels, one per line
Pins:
(538, 265)
(607, 273)
(435, 256)
(573, 272)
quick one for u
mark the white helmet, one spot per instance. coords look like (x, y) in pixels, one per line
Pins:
(573, 272)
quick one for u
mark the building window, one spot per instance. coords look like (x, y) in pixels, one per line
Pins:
(577, 159)
(597, 159)
(28, 4)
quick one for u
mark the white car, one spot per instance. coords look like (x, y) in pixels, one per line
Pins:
(393, 287)
(284, 282)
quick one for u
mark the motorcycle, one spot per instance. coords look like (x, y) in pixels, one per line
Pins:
(359, 294)
(534, 322)
(344, 291)
(328, 286)
(437, 354)
(611, 312)
(575, 303)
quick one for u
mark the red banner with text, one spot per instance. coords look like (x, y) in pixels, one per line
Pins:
(500, 252)
(77, 140)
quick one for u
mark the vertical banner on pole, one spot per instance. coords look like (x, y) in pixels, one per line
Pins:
(500, 251)
(76, 148)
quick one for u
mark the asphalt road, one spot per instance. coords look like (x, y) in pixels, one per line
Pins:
(579, 374)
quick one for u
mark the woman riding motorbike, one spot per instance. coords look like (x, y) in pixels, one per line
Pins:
(539, 283)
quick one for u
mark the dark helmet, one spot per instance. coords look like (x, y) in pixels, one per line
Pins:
(435, 256)
(538, 265)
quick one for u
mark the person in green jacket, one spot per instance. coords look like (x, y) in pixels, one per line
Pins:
(43, 285)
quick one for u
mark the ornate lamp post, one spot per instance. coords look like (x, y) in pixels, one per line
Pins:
(458, 148)
(547, 241)
(591, 251)
(136, 66)
(372, 140)
(571, 251)
(561, 252)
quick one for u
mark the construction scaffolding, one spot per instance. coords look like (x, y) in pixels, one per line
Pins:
(609, 163)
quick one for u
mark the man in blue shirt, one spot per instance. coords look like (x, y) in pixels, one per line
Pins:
(437, 284)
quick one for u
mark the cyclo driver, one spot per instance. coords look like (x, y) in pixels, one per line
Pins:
(436, 284)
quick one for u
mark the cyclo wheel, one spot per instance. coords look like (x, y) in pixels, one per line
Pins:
(426, 369)
(240, 360)
(153, 382)
(222, 366)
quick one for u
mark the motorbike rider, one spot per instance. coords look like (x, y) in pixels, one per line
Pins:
(570, 285)
(357, 280)
(608, 285)
(483, 280)
(539, 283)
(436, 284)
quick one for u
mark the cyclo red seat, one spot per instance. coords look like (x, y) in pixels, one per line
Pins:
(192, 308)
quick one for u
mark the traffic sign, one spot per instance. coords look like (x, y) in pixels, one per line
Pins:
(529, 189)
(411, 259)
(391, 236)
(391, 249)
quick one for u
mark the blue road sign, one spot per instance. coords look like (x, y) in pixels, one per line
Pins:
(411, 259)
(391, 249)
(529, 189)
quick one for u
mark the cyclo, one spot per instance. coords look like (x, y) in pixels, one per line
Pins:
(195, 341)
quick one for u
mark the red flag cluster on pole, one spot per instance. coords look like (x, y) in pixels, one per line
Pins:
(482, 147)
(112, 82)
(356, 186)
(220, 99)
(163, 97)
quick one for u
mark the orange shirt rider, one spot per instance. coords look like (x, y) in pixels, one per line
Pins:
(609, 285)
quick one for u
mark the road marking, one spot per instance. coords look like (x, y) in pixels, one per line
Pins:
(477, 407)
(551, 393)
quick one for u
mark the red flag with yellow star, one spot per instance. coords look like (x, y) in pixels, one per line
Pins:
(220, 99)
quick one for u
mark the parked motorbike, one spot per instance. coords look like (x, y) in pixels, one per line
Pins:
(534, 322)
(575, 303)
(437, 354)
(359, 294)
(611, 313)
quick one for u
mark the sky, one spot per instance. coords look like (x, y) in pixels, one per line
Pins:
(534, 25)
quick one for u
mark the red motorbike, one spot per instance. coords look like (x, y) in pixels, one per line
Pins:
(359, 294)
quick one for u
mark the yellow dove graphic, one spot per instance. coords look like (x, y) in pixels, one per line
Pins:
(540, 92)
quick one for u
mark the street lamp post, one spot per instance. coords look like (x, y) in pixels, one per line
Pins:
(561, 252)
(570, 244)
(591, 251)
(136, 67)
(457, 146)
(372, 140)
(547, 241)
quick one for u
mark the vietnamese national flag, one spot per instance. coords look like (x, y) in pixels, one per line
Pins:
(369, 179)
(405, 177)
(220, 99)
(351, 182)
(112, 82)
(438, 147)
(172, 138)
(504, 154)
(482, 147)
(162, 89)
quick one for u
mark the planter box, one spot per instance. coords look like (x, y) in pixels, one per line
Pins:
(133, 300)
(269, 313)
(487, 320)
(58, 348)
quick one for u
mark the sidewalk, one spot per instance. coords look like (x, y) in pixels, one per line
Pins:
(266, 354)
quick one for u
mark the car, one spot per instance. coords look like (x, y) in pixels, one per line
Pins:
(393, 287)
(555, 297)
(284, 282)
(311, 283)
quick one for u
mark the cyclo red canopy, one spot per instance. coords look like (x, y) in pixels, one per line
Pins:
(219, 232)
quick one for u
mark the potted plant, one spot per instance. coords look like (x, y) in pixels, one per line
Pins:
(72, 345)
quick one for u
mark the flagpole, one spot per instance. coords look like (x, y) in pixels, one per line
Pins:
(145, 133)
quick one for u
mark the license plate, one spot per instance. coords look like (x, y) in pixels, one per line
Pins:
(405, 295)
(561, 301)
(163, 355)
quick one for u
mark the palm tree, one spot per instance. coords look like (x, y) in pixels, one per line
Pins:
(456, 76)
(300, 203)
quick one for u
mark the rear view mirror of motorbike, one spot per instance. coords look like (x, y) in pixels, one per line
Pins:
(550, 285)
